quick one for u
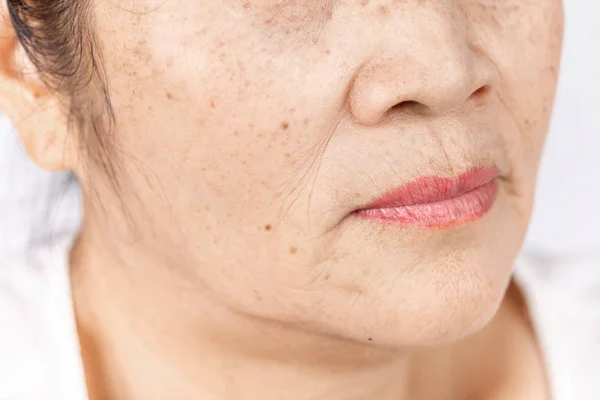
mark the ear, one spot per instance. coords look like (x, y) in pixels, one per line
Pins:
(35, 111)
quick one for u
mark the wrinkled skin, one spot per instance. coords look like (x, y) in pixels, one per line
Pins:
(249, 131)
(262, 125)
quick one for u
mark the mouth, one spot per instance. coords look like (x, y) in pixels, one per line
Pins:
(436, 202)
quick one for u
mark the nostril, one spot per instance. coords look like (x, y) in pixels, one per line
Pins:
(480, 93)
(407, 106)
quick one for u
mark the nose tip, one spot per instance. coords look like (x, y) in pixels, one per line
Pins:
(427, 87)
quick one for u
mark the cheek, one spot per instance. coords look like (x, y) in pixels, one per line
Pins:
(224, 140)
(525, 44)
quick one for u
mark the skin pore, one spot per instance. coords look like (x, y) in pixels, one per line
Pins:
(230, 263)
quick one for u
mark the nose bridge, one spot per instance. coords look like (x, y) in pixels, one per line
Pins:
(425, 57)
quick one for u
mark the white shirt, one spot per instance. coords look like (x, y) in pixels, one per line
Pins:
(40, 355)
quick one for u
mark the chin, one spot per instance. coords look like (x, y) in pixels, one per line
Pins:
(422, 289)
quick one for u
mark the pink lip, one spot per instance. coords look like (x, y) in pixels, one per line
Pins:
(434, 201)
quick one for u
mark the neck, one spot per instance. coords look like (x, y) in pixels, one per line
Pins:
(146, 335)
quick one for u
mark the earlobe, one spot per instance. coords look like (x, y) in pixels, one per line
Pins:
(35, 111)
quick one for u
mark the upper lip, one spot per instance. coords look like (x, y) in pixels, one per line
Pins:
(430, 189)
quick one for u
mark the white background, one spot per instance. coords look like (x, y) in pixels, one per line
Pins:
(567, 216)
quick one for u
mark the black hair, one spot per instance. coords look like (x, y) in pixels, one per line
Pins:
(58, 38)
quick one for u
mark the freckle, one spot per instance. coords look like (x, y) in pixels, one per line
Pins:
(364, 2)
(305, 121)
(327, 276)
(384, 11)
(207, 208)
(292, 110)
(169, 95)
(236, 133)
(327, 51)
(203, 169)
(215, 241)
(287, 155)
(260, 135)
(293, 250)
(257, 295)
(285, 125)
(246, 5)
(212, 103)
(268, 227)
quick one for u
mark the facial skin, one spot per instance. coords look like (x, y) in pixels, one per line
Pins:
(250, 131)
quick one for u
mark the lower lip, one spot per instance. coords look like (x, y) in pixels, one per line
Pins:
(464, 208)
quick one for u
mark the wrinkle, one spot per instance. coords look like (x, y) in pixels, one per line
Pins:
(133, 11)
(309, 172)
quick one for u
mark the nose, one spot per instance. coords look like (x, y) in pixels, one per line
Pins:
(425, 65)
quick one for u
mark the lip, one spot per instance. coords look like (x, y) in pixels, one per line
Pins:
(437, 202)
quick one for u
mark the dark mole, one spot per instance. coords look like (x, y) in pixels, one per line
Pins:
(293, 250)
(370, 339)
(285, 125)
(169, 95)
(268, 227)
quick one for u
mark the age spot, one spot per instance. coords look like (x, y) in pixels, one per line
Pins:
(383, 11)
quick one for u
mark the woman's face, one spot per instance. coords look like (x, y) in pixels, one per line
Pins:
(252, 131)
